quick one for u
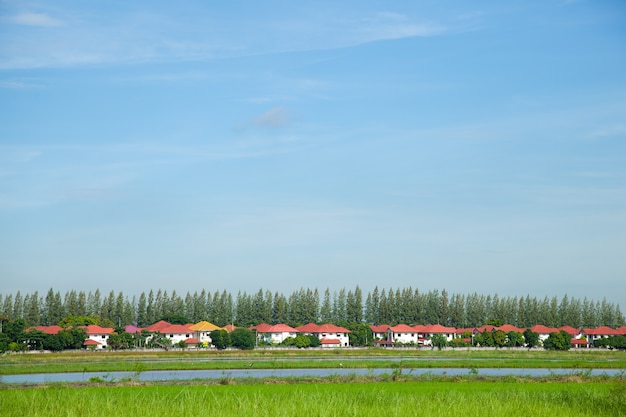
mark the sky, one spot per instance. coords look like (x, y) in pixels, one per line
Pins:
(469, 146)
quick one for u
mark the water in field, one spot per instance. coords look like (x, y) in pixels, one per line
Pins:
(284, 373)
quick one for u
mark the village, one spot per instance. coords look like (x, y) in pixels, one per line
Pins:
(198, 335)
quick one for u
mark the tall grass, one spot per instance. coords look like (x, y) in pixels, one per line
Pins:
(440, 398)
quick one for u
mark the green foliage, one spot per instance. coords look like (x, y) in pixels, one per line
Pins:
(159, 341)
(439, 341)
(314, 341)
(343, 307)
(16, 347)
(302, 341)
(441, 398)
(220, 339)
(484, 339)
(15, 330)
(531, 338)
(123, 340)
(612, 342)
(514, 339)
(71, 321)
(175, 319)
(290, 341)
(499, 338)
(458, 342)
(243, 339)
(4, 342)
(35, 339)
(361, 334)
(558, 341)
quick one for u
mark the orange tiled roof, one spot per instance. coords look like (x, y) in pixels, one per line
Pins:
(601, 331)
(95, 329)
(402, 328)
(177, 328)
(47, 329)
(156, 327)
(331, 328)
(381, 328)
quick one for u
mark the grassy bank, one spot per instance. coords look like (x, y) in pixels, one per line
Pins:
(441, 398)
(263, 359)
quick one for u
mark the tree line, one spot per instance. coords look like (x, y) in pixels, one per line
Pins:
(380, 306)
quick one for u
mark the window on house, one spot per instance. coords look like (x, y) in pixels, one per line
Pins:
(186, 335)
(171, 335)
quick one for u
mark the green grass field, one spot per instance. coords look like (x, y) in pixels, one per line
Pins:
(261, 359)
(415, 398)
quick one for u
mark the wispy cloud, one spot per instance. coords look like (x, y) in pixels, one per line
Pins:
(608, 131)
(34, 19)
(19, 84)
(86, 37)
(274, 117)
(388, 25)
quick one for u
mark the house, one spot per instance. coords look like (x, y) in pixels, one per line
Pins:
(158, 326)
(403, 333)
(580, 343)
(467, 331)
(202, 331)
(133, 329)
(506, 328)
(328, 334)
(574, 332)
(425, 332)
(89, 343)
(98, 334)
(230, 327)
(192, 342)
(274, 334)
(599, 332)
(380, 331)
(543, 331)
(330, 343)
(46, 329)
(177, 333)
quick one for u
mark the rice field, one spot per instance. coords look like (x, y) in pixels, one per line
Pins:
(390, 398)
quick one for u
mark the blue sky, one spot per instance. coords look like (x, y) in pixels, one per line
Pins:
(472, 146)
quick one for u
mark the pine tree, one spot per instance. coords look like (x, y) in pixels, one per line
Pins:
(142, 311)
(326, 311)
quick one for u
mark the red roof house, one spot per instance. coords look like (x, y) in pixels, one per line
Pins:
(47, 329)
(156, 327)
(274, 334)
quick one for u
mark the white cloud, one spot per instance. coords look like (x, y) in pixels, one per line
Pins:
(34, 19)
(608, 131)
(274, 117)
(88, 38)
(18, 84)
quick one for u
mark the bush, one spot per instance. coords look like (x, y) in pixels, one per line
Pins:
(458, 342)
(439, 341)
(302, 341)
(290, 341)
(314, 341)
(558, 341)
(243, 339)
(220, 339)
